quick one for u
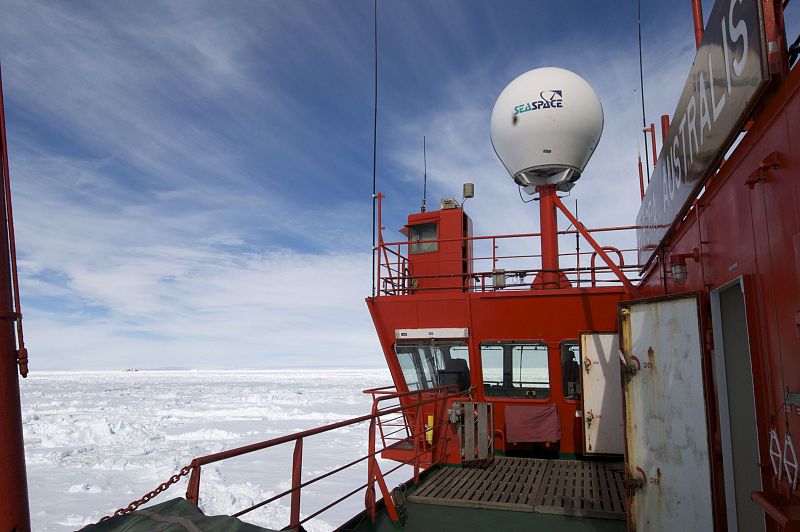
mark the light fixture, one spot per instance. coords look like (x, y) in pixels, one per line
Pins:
(678, 271)
(677, 264)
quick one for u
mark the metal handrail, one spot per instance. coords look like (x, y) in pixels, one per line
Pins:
(407, 401)
(393, 271)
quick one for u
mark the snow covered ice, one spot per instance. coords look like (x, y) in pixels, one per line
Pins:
(95, 441)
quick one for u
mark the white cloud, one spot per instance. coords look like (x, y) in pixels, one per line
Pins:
(459, 148)
(158, 241)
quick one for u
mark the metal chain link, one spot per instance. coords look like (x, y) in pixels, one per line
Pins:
(149, 495)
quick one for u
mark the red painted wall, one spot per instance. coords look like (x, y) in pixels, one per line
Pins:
(549, 315)
(747, 224)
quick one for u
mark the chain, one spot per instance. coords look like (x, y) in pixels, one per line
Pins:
(150, 495)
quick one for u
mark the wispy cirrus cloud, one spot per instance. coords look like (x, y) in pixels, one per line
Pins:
(192, 180)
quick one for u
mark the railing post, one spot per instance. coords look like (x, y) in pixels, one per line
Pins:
(378, 251)
(193, 489)
(369, 495)
(380, 238)
(297, 470)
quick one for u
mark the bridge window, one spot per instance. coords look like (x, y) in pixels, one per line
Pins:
(515, 369)
(428, 231)
(571, 369)
(430, 364)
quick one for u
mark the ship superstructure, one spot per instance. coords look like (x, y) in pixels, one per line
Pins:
(654, 388)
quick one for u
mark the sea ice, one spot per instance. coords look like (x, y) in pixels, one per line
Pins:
(97, 440)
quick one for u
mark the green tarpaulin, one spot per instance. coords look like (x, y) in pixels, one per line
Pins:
(177, 515)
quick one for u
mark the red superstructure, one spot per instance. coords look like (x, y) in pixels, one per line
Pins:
(434, 289)
(677, 361)
(738, 250)
(709, 335)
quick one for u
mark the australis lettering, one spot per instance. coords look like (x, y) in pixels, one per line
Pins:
(728, 73)
(692, 135)
(547, 100)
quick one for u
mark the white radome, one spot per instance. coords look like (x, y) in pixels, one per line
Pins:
(545, 126)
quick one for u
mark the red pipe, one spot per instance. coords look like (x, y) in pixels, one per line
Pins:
(14, 513)
(653, 142)
(549, 238)
(664, 129)
(641, 178)
(697, 12)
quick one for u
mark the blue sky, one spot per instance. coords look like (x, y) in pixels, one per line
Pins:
(192, 180)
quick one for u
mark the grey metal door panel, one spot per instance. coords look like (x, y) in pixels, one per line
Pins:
(665, 417)
(601, 393)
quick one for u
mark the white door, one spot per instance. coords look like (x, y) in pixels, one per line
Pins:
(601, 392)
(665, 417)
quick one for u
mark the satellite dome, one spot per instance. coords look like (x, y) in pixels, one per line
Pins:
(545, 127)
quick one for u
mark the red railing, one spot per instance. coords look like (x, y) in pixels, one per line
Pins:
(489, 270)
(408, 408)
(486, 269)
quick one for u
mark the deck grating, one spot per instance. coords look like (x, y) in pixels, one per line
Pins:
(586, 489)
(567, 487)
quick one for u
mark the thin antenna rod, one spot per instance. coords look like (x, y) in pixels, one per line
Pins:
(374, 137)
(641, 85)
(424, 174)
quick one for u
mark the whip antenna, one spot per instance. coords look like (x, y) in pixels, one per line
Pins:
(424, 174)
(641, 85)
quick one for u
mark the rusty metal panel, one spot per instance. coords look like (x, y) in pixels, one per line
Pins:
(483, 438)
(469, 432)
(601, 393)
(666, 439)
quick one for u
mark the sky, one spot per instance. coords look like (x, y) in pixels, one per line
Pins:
(192, 180)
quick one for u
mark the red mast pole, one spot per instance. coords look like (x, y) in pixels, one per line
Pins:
(697, 12)
(14, 514)
(549, 238)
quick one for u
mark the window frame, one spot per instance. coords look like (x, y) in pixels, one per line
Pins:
(550, 374)
(432, 244)
(561, 345)
(431, 363)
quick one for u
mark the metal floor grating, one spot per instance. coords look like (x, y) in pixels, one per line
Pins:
(586, 489)
(567, 487)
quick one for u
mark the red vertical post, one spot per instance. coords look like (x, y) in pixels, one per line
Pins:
(14, 513)
(369, 495)
(641, 178)
(297, 470)
(697, 12)
(193, 488)
(549, 236)
(653, 142)
(664, 129)
(380, 242)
